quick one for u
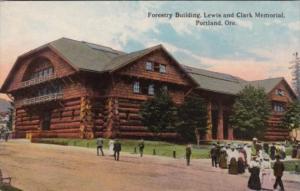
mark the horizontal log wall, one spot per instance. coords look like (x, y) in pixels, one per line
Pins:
(64, 119)
(130, 125)
(173, 72)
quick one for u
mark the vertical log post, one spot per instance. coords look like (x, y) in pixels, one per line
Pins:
(209, 121)
(220, 134)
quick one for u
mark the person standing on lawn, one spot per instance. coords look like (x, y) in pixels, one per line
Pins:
(278, 172)
(100, 143)
(117, 149)
(188, 153)
(141, 146)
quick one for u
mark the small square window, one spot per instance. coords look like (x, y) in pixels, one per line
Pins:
(136, 87)
(151, 89)
(165, 88)
(162, 68)
(50, 71)
(149, 66)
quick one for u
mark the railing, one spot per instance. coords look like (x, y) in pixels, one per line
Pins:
(41, 99)
(37, 80)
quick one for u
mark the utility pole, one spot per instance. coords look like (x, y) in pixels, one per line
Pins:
(296, 73)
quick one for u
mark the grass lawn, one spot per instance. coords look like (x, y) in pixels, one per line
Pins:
(5, 187)
(290, 165)
(128, 145)
(162, 148)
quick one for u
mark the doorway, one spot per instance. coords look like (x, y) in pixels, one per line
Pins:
(46, 120)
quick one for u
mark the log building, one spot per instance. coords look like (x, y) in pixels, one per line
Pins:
(76, 89)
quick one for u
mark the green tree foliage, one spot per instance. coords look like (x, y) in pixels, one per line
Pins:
(159, 113)
(251, 111)
(10, 113)
(192, 116)
(291, 119)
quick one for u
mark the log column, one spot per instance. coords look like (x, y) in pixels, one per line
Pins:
(220, 134)
(86, 118)
(112, 118)
(230, 133)
(209, 122)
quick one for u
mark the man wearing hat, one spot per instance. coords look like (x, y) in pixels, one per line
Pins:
(117, 149)
(213, 155)
(278, 172)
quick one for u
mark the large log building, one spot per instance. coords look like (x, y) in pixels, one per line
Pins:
(69, 88)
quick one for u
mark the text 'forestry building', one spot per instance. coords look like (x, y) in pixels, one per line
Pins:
(76, 89)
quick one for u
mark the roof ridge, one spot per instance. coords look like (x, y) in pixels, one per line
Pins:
(281, 77)
(235, 78)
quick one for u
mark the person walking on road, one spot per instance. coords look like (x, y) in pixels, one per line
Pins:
(278, 172)
(100, 143)
(213, 156)
(117, 149)
(188, 153)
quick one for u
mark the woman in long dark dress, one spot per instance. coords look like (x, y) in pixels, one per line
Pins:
(254, 181)
(233, 166)
(223, 159)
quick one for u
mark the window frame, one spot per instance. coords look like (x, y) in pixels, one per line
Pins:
(151, 89)
(149, 63)
(136, 88)
(162, 66)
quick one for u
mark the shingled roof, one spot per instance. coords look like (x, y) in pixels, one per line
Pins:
(228, 84)
(92, 57)
(96, 58)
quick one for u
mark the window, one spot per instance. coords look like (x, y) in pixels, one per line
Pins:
(136, 87)
(162, 68)
(279, 92)
(151, 89)
(165, 88)
(50, 71)
(149, 66)
(278, 107)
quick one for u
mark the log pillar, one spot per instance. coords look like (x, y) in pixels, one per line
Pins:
(220, 134)
(112, 118)
(209, 122)
(86, 118)
(230, 133)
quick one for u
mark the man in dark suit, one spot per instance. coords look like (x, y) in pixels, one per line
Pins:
(117, 149)
(278, 172)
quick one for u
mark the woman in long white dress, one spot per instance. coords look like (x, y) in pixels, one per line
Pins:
(111, 147)
(266, 174)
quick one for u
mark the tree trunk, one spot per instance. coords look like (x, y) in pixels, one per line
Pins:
(197, 136)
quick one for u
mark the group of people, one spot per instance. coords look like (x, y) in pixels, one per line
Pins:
(4, 134)
(115, 147)
(237, 158)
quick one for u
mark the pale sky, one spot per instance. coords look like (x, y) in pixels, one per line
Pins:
(254, 49)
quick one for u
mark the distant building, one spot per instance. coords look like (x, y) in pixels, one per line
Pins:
(68, 88)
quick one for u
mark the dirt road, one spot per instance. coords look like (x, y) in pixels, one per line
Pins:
(40, 167)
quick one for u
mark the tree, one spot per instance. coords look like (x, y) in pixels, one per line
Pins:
(251, 111)
(192, 116)
(10, 115)
(159, 113)
(291, 119)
